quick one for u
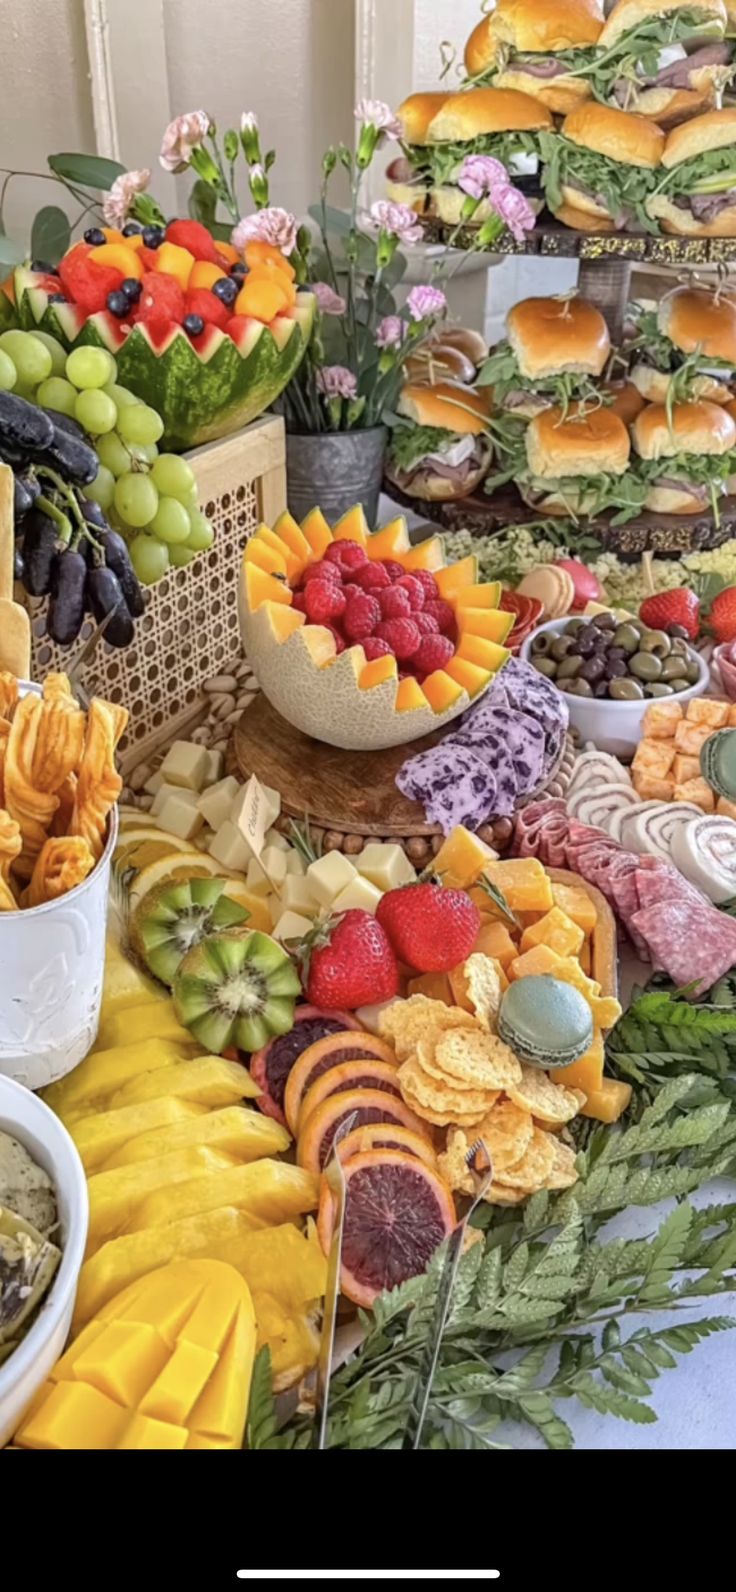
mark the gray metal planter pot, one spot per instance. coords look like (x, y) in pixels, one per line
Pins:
(334, 470)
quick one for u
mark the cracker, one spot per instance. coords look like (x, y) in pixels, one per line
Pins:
(452, 1164)
(563, 1173)
(507, 1132)
(500, 1194)
(440, 1095)
(404, 1023)
(483, 989)
(549, 1103)
(441, 1119)
(477, 1059)
(532, 1170)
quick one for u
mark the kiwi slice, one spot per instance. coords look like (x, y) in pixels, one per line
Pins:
(174, 916)
(237, 987)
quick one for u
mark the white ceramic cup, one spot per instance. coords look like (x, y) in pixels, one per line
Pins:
(52, 963)
(27, 1119)
(614, 726)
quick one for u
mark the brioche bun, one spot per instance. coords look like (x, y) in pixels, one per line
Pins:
(695, 319)
(416, 113)
(701, 428)
(621, 135)
(467, 340)
(669, 500)
(571, 215)
(439, 488)
(534, 26)
(446, 204)
(654, 386)
(453, 407)
(436, 362)
(551, 335)
(479, 111)
(628, 13)
(670, 106)
(715, 130)
(589, 440)
(560, 94)
(627, 401)
(683, 224)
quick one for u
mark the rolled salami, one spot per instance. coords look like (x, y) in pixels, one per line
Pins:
(704, 849)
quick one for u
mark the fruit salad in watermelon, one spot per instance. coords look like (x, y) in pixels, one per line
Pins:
(205, 336)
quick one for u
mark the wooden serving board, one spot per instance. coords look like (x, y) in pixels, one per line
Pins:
(604, 953)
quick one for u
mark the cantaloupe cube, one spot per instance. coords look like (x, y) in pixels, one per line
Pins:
(261, 587)
(578, 905)
(317, 533)
(487, 595)
(409, 695)
(353, 527)
(436, 987)
(440, 690)
(468, 675)
(609, 1102)
(495, 941)
(377, 672)
(267, 558)
(557, 931)
(390, 541)
(523, 882)
(455, 577)
(587, 1072)
(461, 857)
(478, 650)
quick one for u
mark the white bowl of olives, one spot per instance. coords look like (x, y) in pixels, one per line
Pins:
(609, 672)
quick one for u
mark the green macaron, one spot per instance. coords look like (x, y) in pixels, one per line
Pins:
(718, 762)
(545, 1022)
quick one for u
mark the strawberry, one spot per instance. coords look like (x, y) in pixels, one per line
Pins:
(678, 607)
(426, 624)
(402, 636)
(433, 653)
(323, 602)
(430, 928)
(362, 614)
(373, 647)
(322, 571)
(442, 612)
(348, 962)
(372, 577)
(347, 555)
(722, 616)
(394, 603)
(414, 591)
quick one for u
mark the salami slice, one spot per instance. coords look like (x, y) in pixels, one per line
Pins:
(704, 849)
(658, 882)
(692, 944)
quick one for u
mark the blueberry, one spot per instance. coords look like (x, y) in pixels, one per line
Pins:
(94, 236)
(193, 324)
(43, 265)
(131, 228)
(132, 289)
(225, 289)
(153, 237)
(238, 270)
(117, 303)
(57, 298)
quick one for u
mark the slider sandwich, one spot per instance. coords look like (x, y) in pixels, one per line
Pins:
(695, 196)
(553, 349)
(571, 464)
(407, 177)
(482, 121)
(686, 347)
(602, 168)
(667, 59)
(541, 47)
(439, 448)
(685, 457)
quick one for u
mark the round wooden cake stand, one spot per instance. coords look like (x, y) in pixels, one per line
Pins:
(350, 798)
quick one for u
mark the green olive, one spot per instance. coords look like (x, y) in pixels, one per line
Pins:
(570, 668)
(560, 647)
(645, 665)
(625, 691)
(542, 644)
(626, 637)
(679, 647)
(545, 666)
(657, 688)
(655, 641)
(671, 668)
(679, 685)
(581, 688)
(574, 625)
(692, 671)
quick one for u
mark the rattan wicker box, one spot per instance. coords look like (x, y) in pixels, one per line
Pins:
(189, 631)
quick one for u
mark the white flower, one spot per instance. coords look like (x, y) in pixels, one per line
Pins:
(272, 225)
(400, 221)
(328, 301)
(183, 135)
(376, 113)
(336, 381)
(116, 204)
(249, 122)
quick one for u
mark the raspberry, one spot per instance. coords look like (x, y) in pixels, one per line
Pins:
(339, 641)
(433, 653)
(298, 601)
(394, 603)
(324, 601)
(414, 591)
(347, 555)
(393, 570)
(322, 571)
(426, 623)
(372, 577)
(428, 584)
(402, 636)
(373, 647)
(442, 612)
(350, 590)
(362, 614)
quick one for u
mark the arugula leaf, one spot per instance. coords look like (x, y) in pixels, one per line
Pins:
(501, 371)
(619, 188)
(410, 443)
(440, 163)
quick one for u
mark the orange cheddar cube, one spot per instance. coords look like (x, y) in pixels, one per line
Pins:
(587, 1072)
(609, 1102)
(495, 942)
(436, 987)
(462, 858)
(661, 720)
(653, 790)
(524, 884)
(685, 768)
(726, 808)
(557, 931)
(697, 791)
(585, 956)
(702, 711)
(654, 758)
(576, 902)
(689, 738)
(606, 1010)
(539, 960)
(732, 714)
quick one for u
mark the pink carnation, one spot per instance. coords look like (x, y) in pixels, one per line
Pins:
(398, 220)
(328, 301)
(515, 210)
(376, 113)
(116, 204)
(272, 225)
(425, 301)
(390, 332)
(183, 135)
(481, 175)
(336, 381)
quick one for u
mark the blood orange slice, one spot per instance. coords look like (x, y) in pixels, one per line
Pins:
(365, 1073)
(331, 1051)
(271, 1066)
(397, 1211)
(386, 1136)
(369, 1105)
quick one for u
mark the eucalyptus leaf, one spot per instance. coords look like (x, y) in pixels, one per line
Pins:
(50, 234)
(11, 253)
(92, 171)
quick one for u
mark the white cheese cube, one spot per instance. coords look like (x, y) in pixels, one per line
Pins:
(369, 1016)
(229, 848)
(387, 866)
(216, 803)
(273, 863)
(295, 862)
(291, 926)
(272, 804)
(179, 816)
(162, 795)
(215, 768)
(185, 765)
(273, 838)
(329, 875)
(296, 894)
(153, 785)
(255, 878)
(359, 893)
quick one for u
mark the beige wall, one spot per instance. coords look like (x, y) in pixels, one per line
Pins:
(45, 103)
